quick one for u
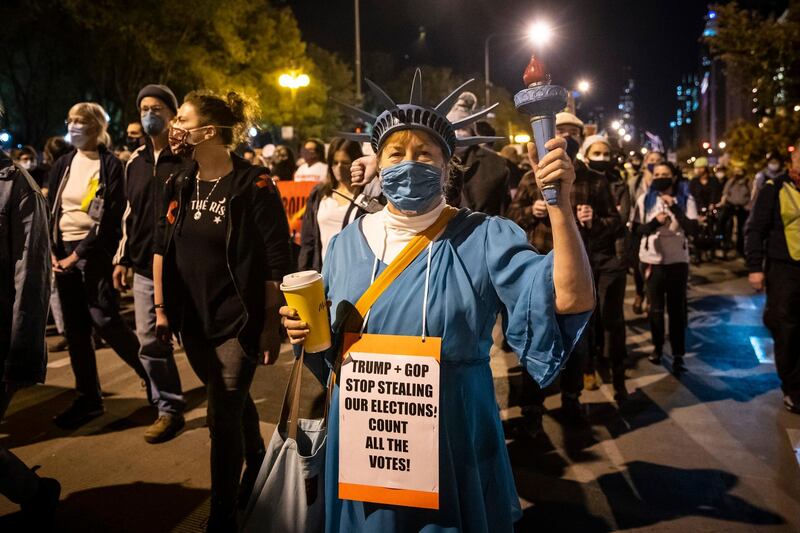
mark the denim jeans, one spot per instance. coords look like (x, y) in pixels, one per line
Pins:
(232, 417)
(18, 483)
(88, 299)
(156, 356)
(55, 307)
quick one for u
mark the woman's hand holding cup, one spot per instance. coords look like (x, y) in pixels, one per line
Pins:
(305, 315)
(295, 328)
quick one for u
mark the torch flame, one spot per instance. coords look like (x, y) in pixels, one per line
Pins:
(535, 73)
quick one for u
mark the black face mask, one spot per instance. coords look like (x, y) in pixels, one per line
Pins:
(661, 184)
(309, 156)
(134, 142)
(572, 148)
(601, 166)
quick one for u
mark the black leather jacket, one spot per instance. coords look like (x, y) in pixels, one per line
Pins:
(24, 276)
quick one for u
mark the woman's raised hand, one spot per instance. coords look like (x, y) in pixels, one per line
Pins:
(556, 167)
(363, 170)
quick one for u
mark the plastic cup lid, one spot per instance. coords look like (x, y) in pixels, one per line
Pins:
(300, 279)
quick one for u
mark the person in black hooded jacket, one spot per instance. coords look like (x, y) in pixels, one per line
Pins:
(221, 249)
(87, 198)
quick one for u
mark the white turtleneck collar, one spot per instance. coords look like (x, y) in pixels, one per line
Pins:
(388, 233)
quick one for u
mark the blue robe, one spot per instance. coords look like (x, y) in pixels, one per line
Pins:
(480, 266)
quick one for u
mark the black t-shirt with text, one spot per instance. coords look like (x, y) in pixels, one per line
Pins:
(200, 253)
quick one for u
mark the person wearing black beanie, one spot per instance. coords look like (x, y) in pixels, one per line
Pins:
(162, 92)
(148, 169)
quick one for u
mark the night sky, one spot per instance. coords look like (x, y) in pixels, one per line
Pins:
(595, 40)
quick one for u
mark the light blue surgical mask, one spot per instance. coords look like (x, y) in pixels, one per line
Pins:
(412, 187)
(77, 136)
(152, 124)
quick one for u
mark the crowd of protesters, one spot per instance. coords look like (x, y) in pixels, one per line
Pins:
(186, 216)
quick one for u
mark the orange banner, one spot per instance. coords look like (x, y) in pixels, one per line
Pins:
(295, 195)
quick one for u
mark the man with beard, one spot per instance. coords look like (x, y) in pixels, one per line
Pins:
(150, 166)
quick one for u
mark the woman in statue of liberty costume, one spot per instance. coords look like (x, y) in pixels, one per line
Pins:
(477, 266)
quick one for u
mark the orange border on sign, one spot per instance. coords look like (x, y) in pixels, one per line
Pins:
(406, 498)
(393, 344)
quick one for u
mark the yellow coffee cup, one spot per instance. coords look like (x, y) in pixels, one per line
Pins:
(305, 292)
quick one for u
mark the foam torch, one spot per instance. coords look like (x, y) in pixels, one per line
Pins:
(541, 101)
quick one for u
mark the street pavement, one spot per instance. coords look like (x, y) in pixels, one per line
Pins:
(709, 450)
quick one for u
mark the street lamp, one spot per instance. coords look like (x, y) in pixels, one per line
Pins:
(584, 86)
(616, 125)
(706, 145)
(357, 10)
(486, 66)
(293, 81)
(722, 145)
(540, 33)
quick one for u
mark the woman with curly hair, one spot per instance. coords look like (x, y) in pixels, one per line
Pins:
(222, 246)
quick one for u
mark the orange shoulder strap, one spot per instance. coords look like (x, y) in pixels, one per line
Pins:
(405, 258)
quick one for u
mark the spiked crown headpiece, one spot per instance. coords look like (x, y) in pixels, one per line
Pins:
(415, 115)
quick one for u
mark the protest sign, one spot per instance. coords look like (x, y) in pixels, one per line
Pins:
(389, 420)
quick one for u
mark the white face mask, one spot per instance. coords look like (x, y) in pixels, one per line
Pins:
(774, 167)
(27, 165)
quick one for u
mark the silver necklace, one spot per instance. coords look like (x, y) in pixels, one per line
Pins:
(197, 213)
